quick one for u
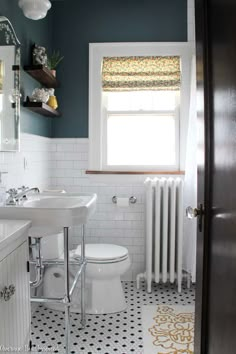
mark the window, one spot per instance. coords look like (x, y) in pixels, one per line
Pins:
(137, 119)
(147, 122)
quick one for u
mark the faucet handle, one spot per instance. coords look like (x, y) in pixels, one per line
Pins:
(12, 196)
(12, 192)
(23, 188)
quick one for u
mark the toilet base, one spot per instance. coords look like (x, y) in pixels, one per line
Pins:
(107, 297)
(101, 296)
(103, 289)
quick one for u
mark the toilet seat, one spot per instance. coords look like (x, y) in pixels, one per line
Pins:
(103, 253)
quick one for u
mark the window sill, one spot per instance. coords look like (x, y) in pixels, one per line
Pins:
(94, 172)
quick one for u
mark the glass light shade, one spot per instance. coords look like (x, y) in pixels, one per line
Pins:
(35, 9)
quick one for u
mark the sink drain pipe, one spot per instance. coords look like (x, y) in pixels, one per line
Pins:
(39, 267)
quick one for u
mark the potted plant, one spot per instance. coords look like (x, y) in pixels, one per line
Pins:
(53, 61)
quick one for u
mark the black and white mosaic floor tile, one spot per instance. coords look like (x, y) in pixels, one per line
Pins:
(119, 333)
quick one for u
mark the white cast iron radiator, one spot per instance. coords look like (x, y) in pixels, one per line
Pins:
(164, 231)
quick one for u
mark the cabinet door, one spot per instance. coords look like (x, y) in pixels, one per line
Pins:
(15, 313)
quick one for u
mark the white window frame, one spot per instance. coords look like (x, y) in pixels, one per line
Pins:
(97, 110)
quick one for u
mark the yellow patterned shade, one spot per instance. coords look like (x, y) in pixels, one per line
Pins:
(141, 73)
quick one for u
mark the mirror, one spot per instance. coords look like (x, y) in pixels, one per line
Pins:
(9, 87)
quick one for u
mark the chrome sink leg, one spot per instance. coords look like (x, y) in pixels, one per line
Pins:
(83, 317)
(67, 300)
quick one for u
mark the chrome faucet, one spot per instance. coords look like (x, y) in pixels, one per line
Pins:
(15, 197)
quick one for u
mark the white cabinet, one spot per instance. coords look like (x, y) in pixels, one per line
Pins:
(15, 313)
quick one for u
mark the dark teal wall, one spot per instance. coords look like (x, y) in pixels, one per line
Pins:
(79, 22)
(28, 32)
(70, 25)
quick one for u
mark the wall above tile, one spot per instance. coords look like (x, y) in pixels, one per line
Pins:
(91, 21)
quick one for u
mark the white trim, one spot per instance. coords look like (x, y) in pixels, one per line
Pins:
(143, 112)
(70, 140)
(30, 136)
(96, 53)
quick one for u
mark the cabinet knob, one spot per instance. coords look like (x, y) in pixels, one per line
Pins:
(7, 292)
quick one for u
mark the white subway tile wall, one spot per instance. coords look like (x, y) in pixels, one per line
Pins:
(61, 164)
(30, 166)
(110, 223)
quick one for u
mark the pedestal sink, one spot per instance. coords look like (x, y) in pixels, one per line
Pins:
(50, 213)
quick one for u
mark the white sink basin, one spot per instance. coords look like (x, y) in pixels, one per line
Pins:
(50, 213)
(52, 202)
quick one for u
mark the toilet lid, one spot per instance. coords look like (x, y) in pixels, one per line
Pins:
(102, 252)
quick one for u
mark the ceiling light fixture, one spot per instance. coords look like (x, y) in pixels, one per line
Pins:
(35, 9)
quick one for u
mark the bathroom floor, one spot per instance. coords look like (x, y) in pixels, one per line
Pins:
(104, 334)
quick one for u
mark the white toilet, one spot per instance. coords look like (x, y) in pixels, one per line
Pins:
(106, 264)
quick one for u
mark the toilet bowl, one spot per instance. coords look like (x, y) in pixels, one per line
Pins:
(103, 293)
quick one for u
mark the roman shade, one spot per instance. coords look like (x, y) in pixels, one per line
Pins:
(138, 73)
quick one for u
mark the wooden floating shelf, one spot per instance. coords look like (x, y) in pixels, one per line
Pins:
(42, 75)
(41, 108)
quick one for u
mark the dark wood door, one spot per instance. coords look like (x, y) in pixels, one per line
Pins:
(215, 330)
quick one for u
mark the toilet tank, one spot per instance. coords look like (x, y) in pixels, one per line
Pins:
(52, 247)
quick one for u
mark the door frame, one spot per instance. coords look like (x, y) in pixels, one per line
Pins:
(204, 167)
